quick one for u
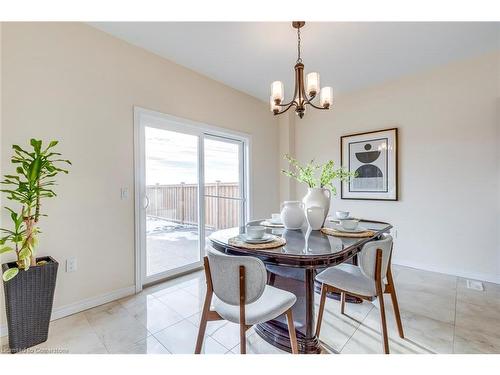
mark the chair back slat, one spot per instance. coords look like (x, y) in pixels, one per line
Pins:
(225, 275)
(368, 256)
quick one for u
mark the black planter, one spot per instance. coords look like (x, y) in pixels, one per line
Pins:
(28, 301)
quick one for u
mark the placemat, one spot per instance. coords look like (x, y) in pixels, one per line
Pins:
(238, 242)
(336, 233)
(267, 223)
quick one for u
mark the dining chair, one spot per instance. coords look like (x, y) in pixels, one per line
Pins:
(371, 278)
(240, 295)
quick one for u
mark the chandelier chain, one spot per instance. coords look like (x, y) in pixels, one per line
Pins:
(299, 59)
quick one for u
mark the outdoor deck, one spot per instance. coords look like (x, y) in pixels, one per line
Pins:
(172, 221)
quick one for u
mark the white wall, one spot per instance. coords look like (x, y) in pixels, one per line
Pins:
(71, 82)
(448, 121)
(286, 124)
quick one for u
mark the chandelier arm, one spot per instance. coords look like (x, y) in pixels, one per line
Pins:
(309, 100)
(295, 91)
(286, 109)
(315, 106)
(287, 104)
(305, 98)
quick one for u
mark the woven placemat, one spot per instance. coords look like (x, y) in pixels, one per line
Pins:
(336, 233)
(238, 242)
(267, 223)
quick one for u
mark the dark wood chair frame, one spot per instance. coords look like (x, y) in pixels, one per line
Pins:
(209, 315)
(389, 288)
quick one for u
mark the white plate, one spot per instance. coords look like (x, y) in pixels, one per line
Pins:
(275, 222)
(335, 220)
(267, 238)
(340, 228)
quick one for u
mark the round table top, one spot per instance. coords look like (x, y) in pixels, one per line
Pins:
(303, 248)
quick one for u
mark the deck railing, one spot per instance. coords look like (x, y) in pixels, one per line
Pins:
(179, 203)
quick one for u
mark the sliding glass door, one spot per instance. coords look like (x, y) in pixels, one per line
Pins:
(224, 183)
(190, 181)
(172, 231)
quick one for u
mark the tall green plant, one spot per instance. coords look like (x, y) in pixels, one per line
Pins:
(33, 182)
(308, 173)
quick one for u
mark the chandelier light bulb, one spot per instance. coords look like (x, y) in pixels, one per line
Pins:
(277, 91)
(326, 97)
(275, 108)
(312, 83)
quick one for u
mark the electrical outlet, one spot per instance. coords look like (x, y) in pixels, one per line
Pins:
(475, 285)
(71, 265)
(123, 193)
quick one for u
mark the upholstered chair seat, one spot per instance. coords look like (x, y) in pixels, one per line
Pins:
(370, 279)
(272, 303)
(348, 277)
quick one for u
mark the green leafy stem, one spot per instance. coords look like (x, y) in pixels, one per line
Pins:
(32, 182)
(308, 173)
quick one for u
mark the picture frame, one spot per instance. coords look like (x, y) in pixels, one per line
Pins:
(373, 156)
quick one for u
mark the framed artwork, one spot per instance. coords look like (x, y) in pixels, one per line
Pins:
(373, 156)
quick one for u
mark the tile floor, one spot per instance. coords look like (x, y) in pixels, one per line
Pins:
(440, 315)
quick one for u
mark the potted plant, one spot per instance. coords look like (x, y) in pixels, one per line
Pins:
(29, 282)
(319, 179)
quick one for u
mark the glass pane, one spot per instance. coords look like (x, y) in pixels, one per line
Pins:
(221, 213)
(172, 194)
(222, 168)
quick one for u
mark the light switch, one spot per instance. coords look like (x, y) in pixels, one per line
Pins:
(71, 265)
(124, 193)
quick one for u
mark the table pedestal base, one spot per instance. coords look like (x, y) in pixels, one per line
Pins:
(300, 282)
(276, 334)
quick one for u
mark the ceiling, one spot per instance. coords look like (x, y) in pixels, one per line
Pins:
(248, 56)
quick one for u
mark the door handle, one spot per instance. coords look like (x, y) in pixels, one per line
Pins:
(146, 201)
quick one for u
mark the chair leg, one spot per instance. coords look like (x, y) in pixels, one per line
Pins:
(342, 302)
(322, 300)
(243, 339)
(203, 324)
(291, 332)
(270, 279)
(383, 321)
(395, 304)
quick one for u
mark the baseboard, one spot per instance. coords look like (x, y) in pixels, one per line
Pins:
(450, 271)
(73, 308)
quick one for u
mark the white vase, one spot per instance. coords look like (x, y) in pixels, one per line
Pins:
(315, 216)
(318, 197)
(292, 214)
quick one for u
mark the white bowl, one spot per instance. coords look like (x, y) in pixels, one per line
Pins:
(341, 214)
(256, 232)
(349, 224)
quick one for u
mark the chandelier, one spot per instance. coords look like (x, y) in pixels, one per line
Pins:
(303, 95)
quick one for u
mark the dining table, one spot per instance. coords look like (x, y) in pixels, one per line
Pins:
(293, 267)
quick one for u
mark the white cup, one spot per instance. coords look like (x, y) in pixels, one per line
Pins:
(255, 232)
(349, 224)
(341, 214)
(275, 218)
